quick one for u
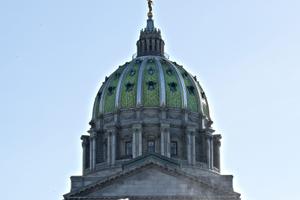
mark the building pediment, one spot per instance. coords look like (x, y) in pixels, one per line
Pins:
(151, 158)
(152, 180)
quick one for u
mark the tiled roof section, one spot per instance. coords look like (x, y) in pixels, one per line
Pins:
(150, 81)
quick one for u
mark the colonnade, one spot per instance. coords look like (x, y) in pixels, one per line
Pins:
(212, 145)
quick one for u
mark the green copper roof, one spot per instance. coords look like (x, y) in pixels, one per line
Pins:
(150, 81)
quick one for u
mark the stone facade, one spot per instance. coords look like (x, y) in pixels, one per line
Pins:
(151, 134)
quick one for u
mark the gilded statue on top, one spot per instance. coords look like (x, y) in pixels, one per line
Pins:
(150, 3)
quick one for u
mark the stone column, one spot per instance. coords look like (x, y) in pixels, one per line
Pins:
(108, 148)
(162, 142)
(140, 145)
(137, 140)
(134, 143)
(111, 146)
(191, 146)
(188, 146)
(84, 139)
(211, 153)
(165, 140)
(208, 159)
(168, 143)
(93, 150)
(217, 145)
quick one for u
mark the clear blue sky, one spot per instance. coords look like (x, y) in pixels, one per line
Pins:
(54, 55)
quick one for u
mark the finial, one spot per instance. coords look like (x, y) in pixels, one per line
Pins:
(150, 3)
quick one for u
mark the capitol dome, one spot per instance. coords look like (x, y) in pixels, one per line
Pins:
(151, 80)
(151, 134)
(151, 105)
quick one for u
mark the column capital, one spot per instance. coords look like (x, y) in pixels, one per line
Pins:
(111, 129)
(85, 139)
(207, 130)
(190, 130)
(207, 136)
(93, 134)
(164, 127)
(217, 139)
(137, 127)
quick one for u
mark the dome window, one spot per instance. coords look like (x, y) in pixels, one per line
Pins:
(151, 71)
(151, 85)
(129, 87)
(138, 61)
(111, 90)
(173, 86)
(185, 74)
(191, 89)
(203, 95)
(151, 60)
(169, 71)
(164, 61)
(132, 72)
(117, 75)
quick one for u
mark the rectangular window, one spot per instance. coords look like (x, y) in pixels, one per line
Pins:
(128, 149)
(151, 146)
(173, 148)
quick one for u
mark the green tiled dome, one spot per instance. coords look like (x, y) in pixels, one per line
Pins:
(150, 82)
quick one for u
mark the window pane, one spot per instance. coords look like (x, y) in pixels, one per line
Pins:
(151, 146)
(128, 148)
(173, 148)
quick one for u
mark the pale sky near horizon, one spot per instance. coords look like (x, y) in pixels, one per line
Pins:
(54, 55)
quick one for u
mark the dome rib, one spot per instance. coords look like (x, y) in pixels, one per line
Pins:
(139, 93)
(162, 84)
(96, 107)
(102, 99)
(182, 85)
